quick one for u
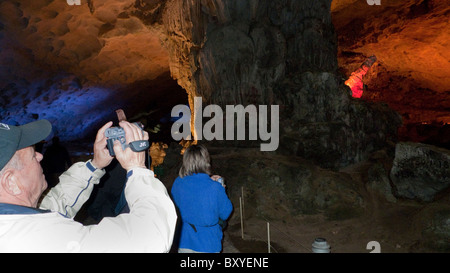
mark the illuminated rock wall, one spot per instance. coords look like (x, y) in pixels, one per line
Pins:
(412, 74)
(276, 52)
(233, 52)
(75, 65)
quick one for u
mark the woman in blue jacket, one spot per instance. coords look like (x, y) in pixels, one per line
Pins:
(201, 202)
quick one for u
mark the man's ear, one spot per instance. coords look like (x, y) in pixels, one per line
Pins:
(10, 183)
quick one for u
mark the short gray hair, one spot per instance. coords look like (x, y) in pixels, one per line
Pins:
(196, 159)
(14, 163)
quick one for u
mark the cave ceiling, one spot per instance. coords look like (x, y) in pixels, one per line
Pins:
(411, 40)
(76, 64)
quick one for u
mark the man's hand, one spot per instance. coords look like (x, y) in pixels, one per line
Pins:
(127, 158)
(102, 158)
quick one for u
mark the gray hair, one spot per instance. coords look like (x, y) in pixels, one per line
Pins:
(14, 163)
(196, 159)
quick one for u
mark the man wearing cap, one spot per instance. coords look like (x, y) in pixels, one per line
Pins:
(26, 226)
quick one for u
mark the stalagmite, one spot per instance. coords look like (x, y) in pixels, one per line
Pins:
(355, 82)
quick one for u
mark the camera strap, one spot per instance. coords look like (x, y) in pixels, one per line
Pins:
(139, 145)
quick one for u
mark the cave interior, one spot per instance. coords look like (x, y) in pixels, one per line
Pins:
(75, 63)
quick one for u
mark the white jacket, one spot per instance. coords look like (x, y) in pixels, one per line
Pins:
(149, 227)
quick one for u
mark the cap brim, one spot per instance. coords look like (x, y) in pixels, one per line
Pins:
(34, 132)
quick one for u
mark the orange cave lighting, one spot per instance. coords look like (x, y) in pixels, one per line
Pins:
(355, 82)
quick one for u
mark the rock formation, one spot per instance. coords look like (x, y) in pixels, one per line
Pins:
(119, 54)
(76, 64)
(420, 171)
(410, 39)
(281, 52)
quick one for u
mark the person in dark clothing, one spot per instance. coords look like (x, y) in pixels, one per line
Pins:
(56, 161)
(109, 197)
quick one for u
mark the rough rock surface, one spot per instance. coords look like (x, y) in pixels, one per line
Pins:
(420, 171)
(349, 207)
(379, 183)
(283, 53)
(321, 122)
(276, 186)
(412, 73)
(57, 58)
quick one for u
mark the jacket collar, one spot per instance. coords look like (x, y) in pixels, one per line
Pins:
(16, 209)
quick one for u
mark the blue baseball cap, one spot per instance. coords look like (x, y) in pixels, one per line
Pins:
(13, 138)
